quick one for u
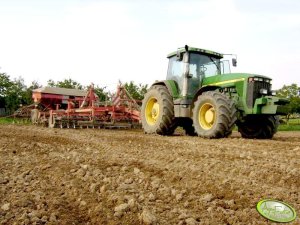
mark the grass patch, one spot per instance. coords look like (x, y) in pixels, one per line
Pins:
(289, 127)
(294, 121)
(292, 125)
(10, 120)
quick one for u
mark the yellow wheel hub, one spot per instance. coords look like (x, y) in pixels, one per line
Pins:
(152, 111)
(207, 116)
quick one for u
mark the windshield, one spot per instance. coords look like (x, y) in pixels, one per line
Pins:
(199, 65)
(204, 65)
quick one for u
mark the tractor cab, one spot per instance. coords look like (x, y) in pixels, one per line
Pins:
(189, 66)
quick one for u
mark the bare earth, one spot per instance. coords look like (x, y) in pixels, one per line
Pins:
(65, 176)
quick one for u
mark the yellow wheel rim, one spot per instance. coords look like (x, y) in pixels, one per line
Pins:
(152, 111)
(207, 116)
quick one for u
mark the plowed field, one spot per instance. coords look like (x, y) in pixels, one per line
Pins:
(66, 176)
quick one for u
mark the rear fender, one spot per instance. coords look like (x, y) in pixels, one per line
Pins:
(171, 85)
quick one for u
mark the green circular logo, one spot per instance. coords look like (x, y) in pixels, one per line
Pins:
(276, 211)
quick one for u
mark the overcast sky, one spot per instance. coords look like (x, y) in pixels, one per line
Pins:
(103, 41)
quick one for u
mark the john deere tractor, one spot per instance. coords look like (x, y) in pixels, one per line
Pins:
(202, 96)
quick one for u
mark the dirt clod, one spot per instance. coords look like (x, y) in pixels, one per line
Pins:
(148, 218)
(5, 206)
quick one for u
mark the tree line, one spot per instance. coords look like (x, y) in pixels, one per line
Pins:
(14, 93)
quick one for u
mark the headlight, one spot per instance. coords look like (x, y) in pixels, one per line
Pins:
(263, 91)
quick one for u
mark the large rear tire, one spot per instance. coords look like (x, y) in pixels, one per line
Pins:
(258, 126)
(157, 112)
(214, 115)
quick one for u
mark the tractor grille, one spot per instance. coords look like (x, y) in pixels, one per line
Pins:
(253, 91)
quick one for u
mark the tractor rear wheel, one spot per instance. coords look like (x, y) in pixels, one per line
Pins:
(158, 111)
(258, 126)
(214, 115)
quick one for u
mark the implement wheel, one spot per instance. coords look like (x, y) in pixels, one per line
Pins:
(259, 126)
(158, 111)
(214, 115)
(51, 122)
(34, 116)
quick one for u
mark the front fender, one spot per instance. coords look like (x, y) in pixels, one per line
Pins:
(204, 89)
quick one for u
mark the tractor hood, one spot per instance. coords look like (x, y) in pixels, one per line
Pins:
(228, 79)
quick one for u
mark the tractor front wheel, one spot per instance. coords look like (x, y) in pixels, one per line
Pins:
(214, 115)
(158, 111)
(258, 126)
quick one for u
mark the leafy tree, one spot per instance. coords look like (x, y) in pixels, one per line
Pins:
(69, 83)
(66, 83)
(5, 84)
(288, 91)
(15, 94)
(51, 83)
(27, 97)
(291, 92)
(102, 94)
(136, 91)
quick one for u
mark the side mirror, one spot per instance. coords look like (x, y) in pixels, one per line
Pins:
(234, 62)
(186, 47)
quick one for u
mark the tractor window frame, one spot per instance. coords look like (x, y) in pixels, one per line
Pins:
(225, 67)
(175, 71)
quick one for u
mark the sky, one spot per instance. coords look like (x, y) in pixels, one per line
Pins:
(104, 41)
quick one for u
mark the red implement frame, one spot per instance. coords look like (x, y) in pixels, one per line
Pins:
(122, 111)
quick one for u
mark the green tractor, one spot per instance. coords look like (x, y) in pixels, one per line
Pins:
(205, 99)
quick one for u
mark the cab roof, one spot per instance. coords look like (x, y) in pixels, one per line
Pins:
(198, 50)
